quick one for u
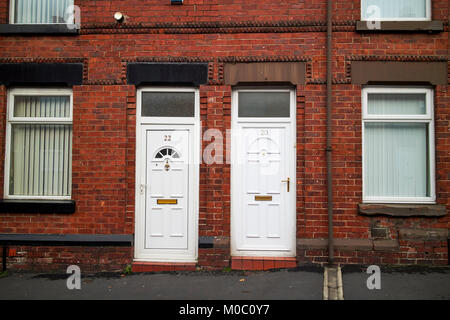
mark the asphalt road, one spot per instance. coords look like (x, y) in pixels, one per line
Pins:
(276, 285)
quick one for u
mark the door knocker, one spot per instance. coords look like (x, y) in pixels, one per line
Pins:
(167, 166)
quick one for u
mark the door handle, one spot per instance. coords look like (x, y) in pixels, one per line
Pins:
(288, 183)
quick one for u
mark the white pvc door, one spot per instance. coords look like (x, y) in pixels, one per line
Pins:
(167, 174)
(263, 180)
(167, 180)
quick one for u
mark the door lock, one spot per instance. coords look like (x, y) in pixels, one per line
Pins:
(288, 183)
(142, 188)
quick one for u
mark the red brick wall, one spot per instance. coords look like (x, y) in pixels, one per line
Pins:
(57, 259)
(160, 11)
(105, 107)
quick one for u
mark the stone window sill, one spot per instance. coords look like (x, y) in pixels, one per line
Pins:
(36, 29)
(37, 206)
(402, 210)
(401, 26)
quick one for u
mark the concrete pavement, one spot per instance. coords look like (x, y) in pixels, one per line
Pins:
(398, 283)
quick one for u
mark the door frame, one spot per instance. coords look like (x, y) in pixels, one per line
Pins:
(236, 187)
(143, 124)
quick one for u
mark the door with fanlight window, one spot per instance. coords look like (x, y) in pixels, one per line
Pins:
(167, 175)
(167, 184)
(263, 173)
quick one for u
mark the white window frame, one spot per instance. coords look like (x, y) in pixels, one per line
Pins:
(169, 120)
(426, 118)
(426, 18)
(28, 120)
(11, 16)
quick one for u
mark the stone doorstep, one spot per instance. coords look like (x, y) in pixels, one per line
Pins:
(162, 266)
(262, 263)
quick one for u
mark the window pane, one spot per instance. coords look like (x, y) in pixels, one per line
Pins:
(168, 104)
(41, 160)
(396, 160)
(40, 11)
(396, 104)
(42, 106)
(264, 104)
(392, 9)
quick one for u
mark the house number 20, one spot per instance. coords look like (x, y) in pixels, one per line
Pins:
(167, 138)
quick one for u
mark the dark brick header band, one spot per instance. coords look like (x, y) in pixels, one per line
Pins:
(33, 206)
(167, 73)
(41, 73)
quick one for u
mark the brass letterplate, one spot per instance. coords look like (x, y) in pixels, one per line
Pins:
(167, 201)
(263, 198)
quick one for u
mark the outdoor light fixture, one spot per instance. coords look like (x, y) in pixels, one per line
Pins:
(118, 16)
(176, 1)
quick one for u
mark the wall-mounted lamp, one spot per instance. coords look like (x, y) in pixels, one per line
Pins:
(119, 17)
(176, 1)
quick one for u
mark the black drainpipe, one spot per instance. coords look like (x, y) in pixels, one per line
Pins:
(328, 147)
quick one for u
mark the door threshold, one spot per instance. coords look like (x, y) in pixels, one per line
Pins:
(147, 266)
(263, 263)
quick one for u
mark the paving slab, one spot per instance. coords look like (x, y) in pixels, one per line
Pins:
(398, 283)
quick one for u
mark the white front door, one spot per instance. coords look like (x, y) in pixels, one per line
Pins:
(167, 192)
(263, 176)
(167, 174)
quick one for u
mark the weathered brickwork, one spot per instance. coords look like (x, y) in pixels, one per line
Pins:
(54, 259)
(216, 32)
